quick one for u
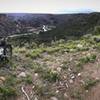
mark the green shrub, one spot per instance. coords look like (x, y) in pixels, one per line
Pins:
(97, 30)
(79, 66)
(98, 46)
(42, 90)
(28, 79)
(7, 91)
(38, 69)
(52, 49)
(87, 59)
(50, 76)
(22, 50)
(89, 83)
(35, 53)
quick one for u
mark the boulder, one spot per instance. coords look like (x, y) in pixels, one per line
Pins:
(22, 74)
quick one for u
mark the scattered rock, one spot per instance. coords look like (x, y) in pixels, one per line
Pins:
(61, 83)
(36, 74)
(2, 78)
(66, 85)
(69, 69)
(65, 77)
(54, 98)
(22, 74)
(79, 74)
(82, 82)
(61, 65)
(97, 78)
(71, 81)
(71, 57)
(57, 91)
(65, 95)
(72, 76)
(33, 87)
(58, 69)
(35, 98)
(87, 90)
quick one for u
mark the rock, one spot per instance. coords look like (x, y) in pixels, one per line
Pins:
(2, 78)
(65, 95)
(69, 69)
(35, 98)
(61, 83)
(66, 85)
(71, 81)
(57, 91)
(71, 59)
(65, 77)
(79, 74)
(97, 78)
(36, 74)
(82, 82)
(58, 69)
(72, 76)
(61, 65)
(33, 87)
(22, 74)
(54, 98)
(87, 91)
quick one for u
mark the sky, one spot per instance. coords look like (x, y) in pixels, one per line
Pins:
(49, 6)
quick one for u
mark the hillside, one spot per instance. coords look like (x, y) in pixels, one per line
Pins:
(59, 64)
(61, 70)
(66, 24)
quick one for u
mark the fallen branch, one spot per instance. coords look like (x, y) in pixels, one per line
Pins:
(22, 88)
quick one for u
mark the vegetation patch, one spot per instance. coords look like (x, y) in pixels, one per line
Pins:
(50, 76)
(89, 83)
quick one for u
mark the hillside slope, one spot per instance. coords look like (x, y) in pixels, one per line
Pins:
(64, 70)
(67, 24)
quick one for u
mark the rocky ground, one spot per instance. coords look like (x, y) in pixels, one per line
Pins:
(63, 71)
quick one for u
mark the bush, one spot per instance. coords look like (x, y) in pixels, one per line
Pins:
(52, 49)
(35, 53)
(28, 79)
(7, 92)
(97, 30)
(8, 89)
(87, 59)
(50, 76)
(89, 83)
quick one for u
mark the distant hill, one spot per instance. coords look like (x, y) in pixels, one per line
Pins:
(67, 24)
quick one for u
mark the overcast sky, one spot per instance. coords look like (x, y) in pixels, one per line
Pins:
(48, 6)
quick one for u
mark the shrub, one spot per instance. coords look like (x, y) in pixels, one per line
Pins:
(50, 76)
(28, 79)
(79, 66)
(87, 59)
(89, 83)
(7, 91)
(52, 49)
(38, 69)
(22, 50)
(35, 53)
(97, 30)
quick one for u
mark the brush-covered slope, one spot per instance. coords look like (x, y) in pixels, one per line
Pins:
(62, 70)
